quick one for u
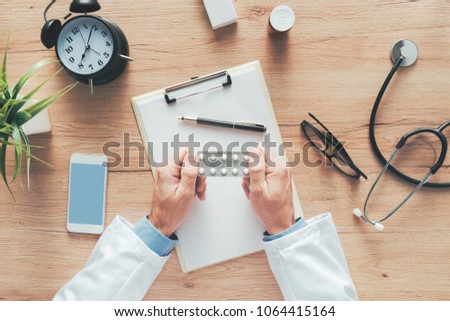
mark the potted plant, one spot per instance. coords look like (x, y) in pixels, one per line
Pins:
(16, 109)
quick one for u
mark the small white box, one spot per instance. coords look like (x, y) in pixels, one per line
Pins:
(221, 13)
(38, 124)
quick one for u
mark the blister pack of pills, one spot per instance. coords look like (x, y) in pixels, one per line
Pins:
(223, 164)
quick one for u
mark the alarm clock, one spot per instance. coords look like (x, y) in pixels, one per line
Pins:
(92, 49)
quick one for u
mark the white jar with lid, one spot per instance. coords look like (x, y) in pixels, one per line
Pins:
(281, 20)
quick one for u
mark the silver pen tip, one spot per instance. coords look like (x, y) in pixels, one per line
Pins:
(180, 117)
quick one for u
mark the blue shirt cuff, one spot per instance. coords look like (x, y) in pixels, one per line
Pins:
(299, 224)
(154, 239)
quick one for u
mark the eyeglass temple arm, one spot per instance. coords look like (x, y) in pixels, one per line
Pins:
(318, 121)
(444, 126)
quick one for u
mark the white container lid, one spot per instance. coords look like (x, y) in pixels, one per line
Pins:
(282, 18)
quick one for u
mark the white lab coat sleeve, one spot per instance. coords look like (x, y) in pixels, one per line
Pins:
(121, 267)
(309, 264)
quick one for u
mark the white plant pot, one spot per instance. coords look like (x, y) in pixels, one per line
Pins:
(38, 124)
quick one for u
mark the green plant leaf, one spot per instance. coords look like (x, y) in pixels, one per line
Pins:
(3, 142)
(36, 108)
(3, 87)
(40, 160)
(3, 165)
(18, 144)
(22, 117)
(5, 107)
(27, 154)
(3, 75)
(14, 144)
(13, 116)
(10, 105)
(5, 125)
(22, 81)
(31, 93)
(26, 76)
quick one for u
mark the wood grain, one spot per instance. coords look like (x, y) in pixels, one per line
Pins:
(331, 63)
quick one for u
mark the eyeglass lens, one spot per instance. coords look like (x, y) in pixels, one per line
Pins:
(328, 145)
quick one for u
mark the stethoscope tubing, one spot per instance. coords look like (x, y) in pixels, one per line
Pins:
(374, 144)
(365, 217)
(387, 163)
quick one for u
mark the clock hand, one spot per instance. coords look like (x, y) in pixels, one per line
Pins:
(90, 34)
(85, 44)
(84, 54)
(94, 50)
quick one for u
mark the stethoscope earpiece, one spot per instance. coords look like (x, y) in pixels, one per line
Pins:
(359, 214)
(379, 227)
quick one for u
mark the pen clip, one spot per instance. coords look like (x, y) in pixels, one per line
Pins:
(251, 123)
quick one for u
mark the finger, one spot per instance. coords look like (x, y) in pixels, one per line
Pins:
(246, 181)
(178, 158)
(200, 187)
(167, 173)
(246, 188)
(257, 168)
(282, 168)
(200, 182)
(173, 168)
(189, 172)
(202, 194)
(278, 163)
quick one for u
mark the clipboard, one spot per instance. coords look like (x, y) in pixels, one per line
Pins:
(224, 226)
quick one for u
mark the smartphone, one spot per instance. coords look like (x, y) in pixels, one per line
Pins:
(87, 193)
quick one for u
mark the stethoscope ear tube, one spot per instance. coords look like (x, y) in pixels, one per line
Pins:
(377, 223)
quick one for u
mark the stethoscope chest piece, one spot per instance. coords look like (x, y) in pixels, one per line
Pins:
(407, 49)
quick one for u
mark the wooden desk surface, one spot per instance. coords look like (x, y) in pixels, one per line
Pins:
(332, 64)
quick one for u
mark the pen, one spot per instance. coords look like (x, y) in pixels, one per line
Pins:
(227, 124)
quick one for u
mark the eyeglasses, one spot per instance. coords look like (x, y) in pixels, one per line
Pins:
(327, 144)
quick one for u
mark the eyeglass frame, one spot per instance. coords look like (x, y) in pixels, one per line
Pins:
(330, 140)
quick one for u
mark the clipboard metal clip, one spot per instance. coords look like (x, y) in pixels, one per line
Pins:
(197, 81)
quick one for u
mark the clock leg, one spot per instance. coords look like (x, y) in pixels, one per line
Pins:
(125, 57)
(91, 86)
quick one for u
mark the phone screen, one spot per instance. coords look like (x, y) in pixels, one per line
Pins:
(87, 189)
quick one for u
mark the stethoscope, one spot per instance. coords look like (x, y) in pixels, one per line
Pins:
(404, 53)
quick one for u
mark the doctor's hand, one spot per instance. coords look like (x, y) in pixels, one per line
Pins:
(269, 190)
(176, 186)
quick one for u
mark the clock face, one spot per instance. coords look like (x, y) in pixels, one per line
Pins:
(85, 45)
